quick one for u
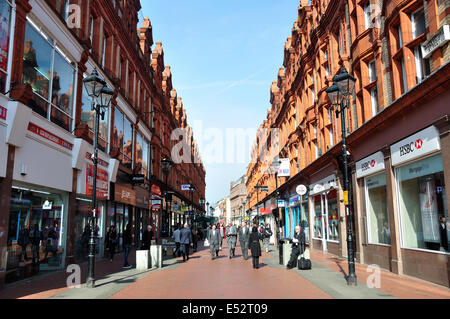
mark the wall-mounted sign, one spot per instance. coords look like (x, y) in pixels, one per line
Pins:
(124, 195)
(3, 112)
(281, 203)
(186, 187)
(49, 136)
(301, 190)
(418, 145)
(47, 205)
(138, 178)
(441, 37)
(284, 170)
(323, 185)
(102, 181)
(370, 165)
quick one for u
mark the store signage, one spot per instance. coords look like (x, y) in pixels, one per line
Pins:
(441, 37)
(138, 179)
(281, 203)
(3, 113)
(49, 136)
(418, 145)
(186, 187)
(124, 195)
(156, 207)
(102, 181)
(370, 165)
(301, 190)
(156, 202)
(323, 185)
(284, 170)
(47, 205)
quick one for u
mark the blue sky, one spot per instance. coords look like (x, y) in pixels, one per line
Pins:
(224, 56)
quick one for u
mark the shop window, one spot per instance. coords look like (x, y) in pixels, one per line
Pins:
(367, 15)
(142, 154)
(376, 210)
(374, 100)
(423, 205)
(52, 76)
(318, 230)
(5, 31)
(332, 223)
(372, 71)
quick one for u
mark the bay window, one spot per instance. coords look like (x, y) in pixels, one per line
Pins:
(5, 32)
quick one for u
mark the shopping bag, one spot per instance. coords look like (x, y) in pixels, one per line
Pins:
(206, 244)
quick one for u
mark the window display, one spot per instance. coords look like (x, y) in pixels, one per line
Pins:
(376, 208)
(318, 217)
(333, 217)
(422, 204)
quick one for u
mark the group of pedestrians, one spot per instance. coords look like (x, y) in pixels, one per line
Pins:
(248, 239)
(183, 239)
(31, 235)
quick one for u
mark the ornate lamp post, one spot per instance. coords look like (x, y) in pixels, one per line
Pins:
(192, 189)
(166, 163)
(339, 94)
(101, 97)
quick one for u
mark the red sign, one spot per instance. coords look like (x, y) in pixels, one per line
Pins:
(2, 113)
(419, 144)
(49, 136)
(102, 182)
(373, 163)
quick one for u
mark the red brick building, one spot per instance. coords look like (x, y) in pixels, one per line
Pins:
(398, 133)
(46, 127)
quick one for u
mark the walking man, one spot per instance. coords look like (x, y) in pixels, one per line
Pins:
(176, 237)
(213, 237)
(231, 232)
(244, 237)
(127, 240)
(185, 241)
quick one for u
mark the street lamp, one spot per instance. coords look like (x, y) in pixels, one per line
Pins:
(166, 163)
(339, 93)
(192, 189)
(101, 97)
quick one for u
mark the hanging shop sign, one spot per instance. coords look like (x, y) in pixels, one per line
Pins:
(294, 201)
(370, 165)
(301, 190)
(138, 179)
(284, 170)
(281, 203)
(323, 185)
(102, 181)
(418, 145)
(124, 195)
(186, 187)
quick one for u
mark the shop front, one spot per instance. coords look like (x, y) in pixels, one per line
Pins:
(299, 214)
(142, 213)
(371, 178)
(325, 217)
(121, 210)
(422, 204)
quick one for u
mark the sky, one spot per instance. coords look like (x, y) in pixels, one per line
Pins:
(223, 56)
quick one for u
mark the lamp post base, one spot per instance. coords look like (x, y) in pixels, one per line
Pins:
(351, 280)
(90, 283)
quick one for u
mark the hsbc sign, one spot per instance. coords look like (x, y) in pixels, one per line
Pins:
(370, 165)
(420, 144)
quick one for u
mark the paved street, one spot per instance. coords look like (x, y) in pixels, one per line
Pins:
(224, 278)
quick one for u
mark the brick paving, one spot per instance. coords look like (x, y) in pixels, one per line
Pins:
(202, 278)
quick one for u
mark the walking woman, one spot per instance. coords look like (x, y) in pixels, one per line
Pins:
(255, 246)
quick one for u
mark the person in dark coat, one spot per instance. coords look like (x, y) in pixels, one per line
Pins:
(255, 247)
(147, 238)
(185, 241)
(244, 237)
(127, 240)
(444, 226)
(23, 242)
(113, 240)
(213, 237)
(298, 247)
(176, 238)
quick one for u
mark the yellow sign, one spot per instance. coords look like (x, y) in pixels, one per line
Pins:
(345, 197)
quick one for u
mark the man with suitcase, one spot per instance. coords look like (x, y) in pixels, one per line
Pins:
(298, 247)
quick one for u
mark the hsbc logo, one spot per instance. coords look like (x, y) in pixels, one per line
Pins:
(368, 165)
(372, 163)
(411, 147)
